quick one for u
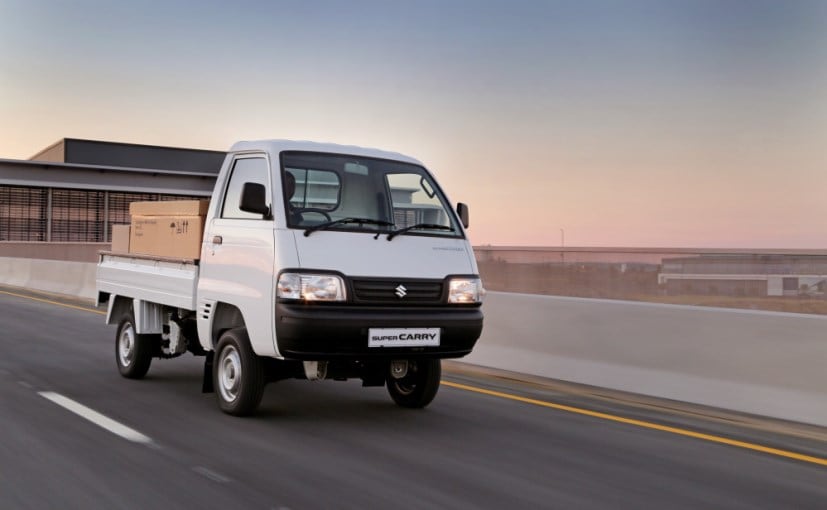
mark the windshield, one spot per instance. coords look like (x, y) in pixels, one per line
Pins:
(337, 192)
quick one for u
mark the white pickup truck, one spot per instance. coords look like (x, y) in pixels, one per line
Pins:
(318, 261)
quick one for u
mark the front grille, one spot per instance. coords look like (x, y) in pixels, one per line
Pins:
(374, 291)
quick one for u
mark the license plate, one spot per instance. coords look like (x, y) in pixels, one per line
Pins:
(403, 337)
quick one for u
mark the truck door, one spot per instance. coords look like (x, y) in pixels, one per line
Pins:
(237, 265)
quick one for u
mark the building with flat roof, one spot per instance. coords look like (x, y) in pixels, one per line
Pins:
(75, 190)
(745, 275)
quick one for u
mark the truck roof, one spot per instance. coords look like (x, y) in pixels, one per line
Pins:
(277, 146)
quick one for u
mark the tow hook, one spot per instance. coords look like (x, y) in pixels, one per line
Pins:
(315, 370)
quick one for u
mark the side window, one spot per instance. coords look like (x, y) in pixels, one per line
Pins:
(244, 170)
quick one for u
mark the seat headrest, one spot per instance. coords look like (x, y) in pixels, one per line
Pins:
(289, 185)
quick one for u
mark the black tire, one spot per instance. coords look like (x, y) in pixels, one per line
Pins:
(419, 387)
(238, 374)
(133, 352)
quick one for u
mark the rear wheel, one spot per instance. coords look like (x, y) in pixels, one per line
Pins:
(133, 352)
(419, 386)
(238, 374)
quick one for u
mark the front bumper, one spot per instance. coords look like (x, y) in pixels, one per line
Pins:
(313, 332)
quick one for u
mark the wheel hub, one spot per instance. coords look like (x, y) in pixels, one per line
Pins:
(126, 345)
(229, 374)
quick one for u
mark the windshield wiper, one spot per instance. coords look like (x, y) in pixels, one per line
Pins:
(432, 226)
(342, 221)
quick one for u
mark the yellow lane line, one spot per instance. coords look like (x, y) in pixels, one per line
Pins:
(48, 301)
(644, 424)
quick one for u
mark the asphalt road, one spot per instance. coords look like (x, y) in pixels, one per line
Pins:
(337, 445)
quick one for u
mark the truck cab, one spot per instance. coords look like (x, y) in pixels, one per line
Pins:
(322, 261)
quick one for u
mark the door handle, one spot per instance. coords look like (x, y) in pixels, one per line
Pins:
(217, 239)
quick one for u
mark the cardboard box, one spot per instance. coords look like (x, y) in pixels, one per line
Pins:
(167, 236)
(120, 238)
(172, 228)
(170, 208)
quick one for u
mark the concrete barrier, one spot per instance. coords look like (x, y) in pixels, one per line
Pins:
(766, 363)
(58, 276)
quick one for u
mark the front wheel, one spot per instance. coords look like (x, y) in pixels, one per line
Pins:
(238, 374)
(133, 352)
(419, 386)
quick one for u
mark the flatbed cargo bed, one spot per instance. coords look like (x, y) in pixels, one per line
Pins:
(163, 280)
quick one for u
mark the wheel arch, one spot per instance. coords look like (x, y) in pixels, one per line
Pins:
(225, 317)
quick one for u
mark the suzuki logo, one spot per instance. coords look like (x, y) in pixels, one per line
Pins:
(401, 291)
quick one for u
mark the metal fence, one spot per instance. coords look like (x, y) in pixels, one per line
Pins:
(66, 215)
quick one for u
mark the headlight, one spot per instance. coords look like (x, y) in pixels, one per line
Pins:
(465, 290)
(311, 287)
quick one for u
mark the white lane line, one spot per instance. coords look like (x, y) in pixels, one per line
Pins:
(97, 418)
(212, 475)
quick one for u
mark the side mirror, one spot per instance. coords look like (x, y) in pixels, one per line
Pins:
(254, 199)
(462, 210)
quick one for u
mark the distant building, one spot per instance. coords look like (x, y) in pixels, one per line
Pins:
(745, 275)
(75, 190)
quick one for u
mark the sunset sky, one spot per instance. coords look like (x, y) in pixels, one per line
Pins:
(638, 123)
